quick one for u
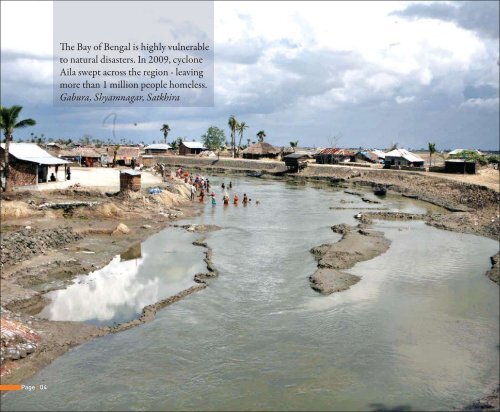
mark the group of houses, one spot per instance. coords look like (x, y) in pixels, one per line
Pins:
(31, 164)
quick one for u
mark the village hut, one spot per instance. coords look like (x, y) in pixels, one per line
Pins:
(334, 155)
(157, 149)
(29, 164)
(83, 156)
(402, 157)
(126, 156)
(460, 166)
(296, 161)
(261, 150)
(366, 156)
(191, 148)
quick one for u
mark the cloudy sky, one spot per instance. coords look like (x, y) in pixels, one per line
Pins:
(370, 72)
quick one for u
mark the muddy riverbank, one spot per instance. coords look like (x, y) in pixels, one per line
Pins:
(49, 238)
(356, 245)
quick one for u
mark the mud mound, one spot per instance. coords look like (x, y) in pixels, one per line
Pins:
(27, 243)
(108, 210)
(15, 210)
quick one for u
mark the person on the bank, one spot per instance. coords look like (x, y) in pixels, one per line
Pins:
(68, 173)
(52, 177)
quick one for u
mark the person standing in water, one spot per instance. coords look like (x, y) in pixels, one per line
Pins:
(245, 199)
(193, 191)
(213, 199)
(226, 199)
(236, 199)
(230, 185)
(223, 186)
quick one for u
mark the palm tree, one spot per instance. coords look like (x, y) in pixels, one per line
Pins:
(261, 135)
(293, 145)
(9, 122)
(241, 128)
(233, 125)
(165, 129)
(432, 150)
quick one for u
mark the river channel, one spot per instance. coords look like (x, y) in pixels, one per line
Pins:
(419, 331)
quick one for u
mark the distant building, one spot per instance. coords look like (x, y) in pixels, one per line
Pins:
(458, 151)
(402, 157)
(191, 148)
(379, 153)
(29, 164)
(334, 156)
(125, 156)
(84, 156)
(296, 161)
(367, 156)
(460, 166)
(261, 150)
(157, 149)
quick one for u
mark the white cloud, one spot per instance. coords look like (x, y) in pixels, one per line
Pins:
(479, 103)
(404, 99)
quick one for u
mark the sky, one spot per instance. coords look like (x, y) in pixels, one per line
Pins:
(362, 74)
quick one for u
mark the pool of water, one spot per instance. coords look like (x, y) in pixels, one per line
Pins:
(419, 331)
(150, 271)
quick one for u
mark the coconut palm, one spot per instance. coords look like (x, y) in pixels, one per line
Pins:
(165, 129)
(9, 122)
(233, 125)
(260, 135)
(240, 128)
(432, 150)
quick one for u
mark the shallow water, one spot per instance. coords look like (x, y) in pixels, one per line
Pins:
(160, 267)
(420, 330)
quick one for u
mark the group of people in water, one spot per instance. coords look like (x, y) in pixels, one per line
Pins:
(200, 187)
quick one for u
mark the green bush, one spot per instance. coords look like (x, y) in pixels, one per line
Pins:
(469, 155)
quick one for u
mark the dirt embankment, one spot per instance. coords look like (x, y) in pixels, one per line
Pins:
(356, 245)
(18, 246)
(56, 236)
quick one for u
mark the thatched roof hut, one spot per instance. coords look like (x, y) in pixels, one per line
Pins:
(260, 150)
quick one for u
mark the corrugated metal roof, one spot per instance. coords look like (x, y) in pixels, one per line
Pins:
(337, 152)
(131, 172)
(405, 154)
(379, 153)
(193, 145)
(158, 146)
(30, 152)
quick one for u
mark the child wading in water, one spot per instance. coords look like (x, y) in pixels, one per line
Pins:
(245, 199)
(236, 199)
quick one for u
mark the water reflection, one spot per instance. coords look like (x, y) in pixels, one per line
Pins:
(146, 273)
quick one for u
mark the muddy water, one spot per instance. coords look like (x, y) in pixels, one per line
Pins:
(420, 330)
